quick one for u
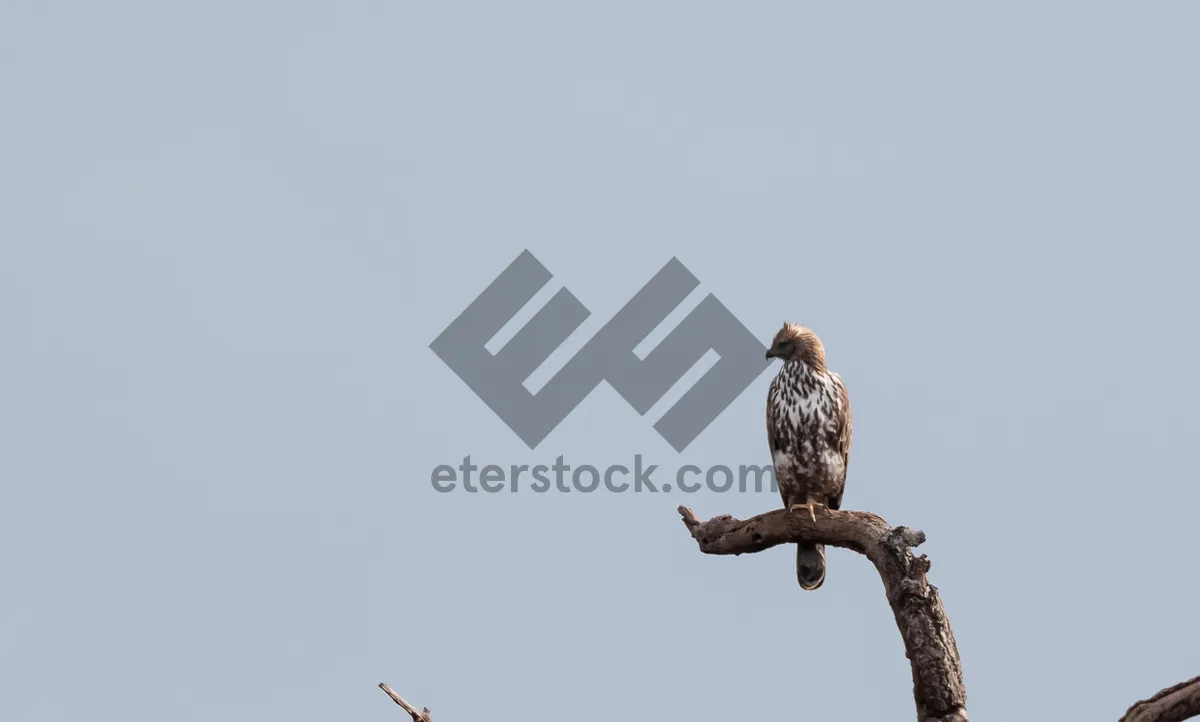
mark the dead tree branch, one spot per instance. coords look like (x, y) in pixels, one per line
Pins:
(928, 642)
(423, 716)
(1173, 704)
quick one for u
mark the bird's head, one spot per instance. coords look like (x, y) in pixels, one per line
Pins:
(797, 343)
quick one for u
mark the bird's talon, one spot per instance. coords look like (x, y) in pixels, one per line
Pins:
(811, 508)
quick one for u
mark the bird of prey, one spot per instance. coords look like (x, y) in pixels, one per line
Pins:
(808, 429)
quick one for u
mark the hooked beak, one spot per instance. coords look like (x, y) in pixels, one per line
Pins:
(770, 353)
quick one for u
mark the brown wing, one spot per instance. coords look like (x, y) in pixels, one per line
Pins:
(843, 432)
(844, 422)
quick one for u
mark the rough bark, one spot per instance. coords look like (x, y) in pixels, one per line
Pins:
(928, 641)
(1172, 704)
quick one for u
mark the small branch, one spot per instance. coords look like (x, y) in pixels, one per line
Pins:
(1172, 704)
(423, 716)
(928, 641)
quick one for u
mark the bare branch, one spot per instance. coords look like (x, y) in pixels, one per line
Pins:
(1172, 704)
(928, 641)
(423, 716)
(938, 688)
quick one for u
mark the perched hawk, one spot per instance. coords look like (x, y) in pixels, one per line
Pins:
(808, 429)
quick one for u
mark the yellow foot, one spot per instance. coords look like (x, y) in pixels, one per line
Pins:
(811, 507)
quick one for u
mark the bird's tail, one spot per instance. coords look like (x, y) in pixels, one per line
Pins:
(810, 565)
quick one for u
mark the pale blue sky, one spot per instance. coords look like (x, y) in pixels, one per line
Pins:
(229, 232)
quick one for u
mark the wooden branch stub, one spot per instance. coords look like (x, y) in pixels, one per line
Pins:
(423, 716)
(1173, 704)
(938, 687)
